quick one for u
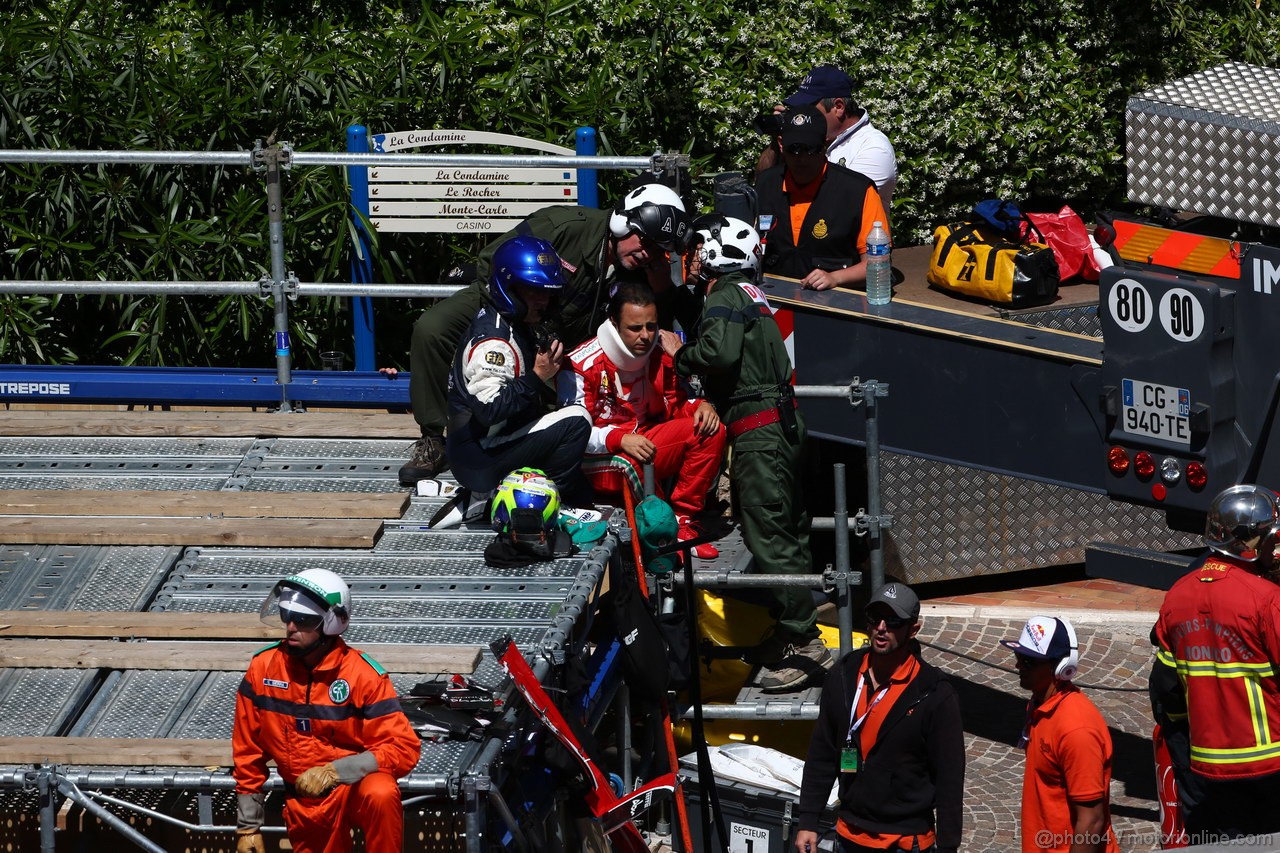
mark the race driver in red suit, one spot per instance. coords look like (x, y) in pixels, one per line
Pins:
(329, 718)
(638, 408)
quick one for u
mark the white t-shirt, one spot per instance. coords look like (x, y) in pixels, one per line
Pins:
(865, 149)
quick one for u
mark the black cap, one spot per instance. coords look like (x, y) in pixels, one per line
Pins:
(804, 126)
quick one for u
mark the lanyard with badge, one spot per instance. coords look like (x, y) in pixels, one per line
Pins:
(850, 756)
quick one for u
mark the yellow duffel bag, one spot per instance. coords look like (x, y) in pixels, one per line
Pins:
(972, 262)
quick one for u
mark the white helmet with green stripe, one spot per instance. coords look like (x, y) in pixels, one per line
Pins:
(309, 594)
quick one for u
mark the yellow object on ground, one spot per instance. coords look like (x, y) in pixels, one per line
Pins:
(727, 621)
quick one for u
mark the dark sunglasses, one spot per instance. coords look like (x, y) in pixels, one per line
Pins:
(892, 622)
(304, 621)
(799, 149)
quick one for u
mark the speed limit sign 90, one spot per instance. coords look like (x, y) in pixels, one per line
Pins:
(1181, 314)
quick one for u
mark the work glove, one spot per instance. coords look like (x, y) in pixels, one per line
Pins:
(249, 840)
(317, 781)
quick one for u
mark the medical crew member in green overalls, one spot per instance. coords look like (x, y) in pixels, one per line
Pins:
(746, 373)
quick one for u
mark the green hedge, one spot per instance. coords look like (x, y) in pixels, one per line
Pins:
(980, 98)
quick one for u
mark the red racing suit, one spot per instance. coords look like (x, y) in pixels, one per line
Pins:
(302, 718)
(626, 393)
(1219, 631)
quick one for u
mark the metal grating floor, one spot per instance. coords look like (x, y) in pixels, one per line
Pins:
(418, 586)
(41, 702)
(81, 577)
(207, 464)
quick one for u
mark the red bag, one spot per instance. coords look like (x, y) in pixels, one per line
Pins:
(1065, 233)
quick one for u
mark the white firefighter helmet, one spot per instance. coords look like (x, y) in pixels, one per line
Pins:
(307, 595)
(728, 245)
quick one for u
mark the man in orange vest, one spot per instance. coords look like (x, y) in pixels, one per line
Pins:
(1214, 686)
(814, 215)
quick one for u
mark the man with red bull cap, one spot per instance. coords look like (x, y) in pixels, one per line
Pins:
(329, 718)
(1066, 782)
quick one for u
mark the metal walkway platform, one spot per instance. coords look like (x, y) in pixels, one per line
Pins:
(415, 586)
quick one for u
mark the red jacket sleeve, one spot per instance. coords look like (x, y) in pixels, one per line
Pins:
(678, 403)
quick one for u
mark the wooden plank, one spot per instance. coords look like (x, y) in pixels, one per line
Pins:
(214, 657)
(203, 504)
(242, 532)
(64, 422)
(116, 752)
(130, 625)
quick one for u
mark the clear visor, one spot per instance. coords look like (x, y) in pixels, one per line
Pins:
(287, 605)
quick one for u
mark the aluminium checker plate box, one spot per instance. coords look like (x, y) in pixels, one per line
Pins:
(952, 522)
(1209, 143)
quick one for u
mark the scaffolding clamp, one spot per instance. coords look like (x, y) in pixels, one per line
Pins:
(290, 287)
(266, 155)
(668, 163)
(832, 579)
(865, 392)
(865, 524)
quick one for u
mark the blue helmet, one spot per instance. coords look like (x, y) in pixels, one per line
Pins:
(526, 260)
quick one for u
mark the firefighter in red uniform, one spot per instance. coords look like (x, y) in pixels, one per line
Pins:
(1214, 685)
(329, 718)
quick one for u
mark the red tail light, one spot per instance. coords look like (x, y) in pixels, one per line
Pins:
(1117, 460)
(1197, 476)
(1143, 465)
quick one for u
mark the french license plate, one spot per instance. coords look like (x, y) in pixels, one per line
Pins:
(1156, 411)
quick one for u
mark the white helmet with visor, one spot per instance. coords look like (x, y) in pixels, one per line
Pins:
(311, 598)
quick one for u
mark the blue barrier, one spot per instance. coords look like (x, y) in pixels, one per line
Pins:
(199, 386)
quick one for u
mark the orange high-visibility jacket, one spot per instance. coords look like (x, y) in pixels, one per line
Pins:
(302, 718)
(1219, 629)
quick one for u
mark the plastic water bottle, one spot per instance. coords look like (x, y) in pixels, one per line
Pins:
(879, 266)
